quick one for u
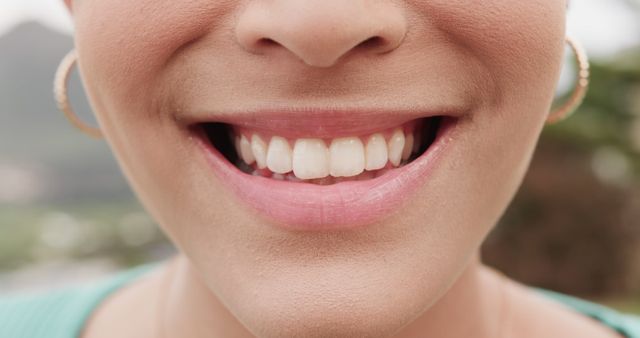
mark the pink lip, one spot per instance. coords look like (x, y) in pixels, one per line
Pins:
(345, 205)
(298, 123)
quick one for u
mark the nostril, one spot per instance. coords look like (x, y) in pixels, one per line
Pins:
(319, 33)
(267, 42)
(374, 42)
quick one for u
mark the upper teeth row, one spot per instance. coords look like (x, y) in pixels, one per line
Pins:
(310, 158)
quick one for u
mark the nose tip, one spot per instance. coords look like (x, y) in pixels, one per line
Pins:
(321, 32)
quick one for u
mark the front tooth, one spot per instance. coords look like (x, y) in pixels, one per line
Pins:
(347, 157)
(245, 150)
(259, 148)
(376, 152)
(310, 159)
(396, 145)
(279, 155)
(408, 147)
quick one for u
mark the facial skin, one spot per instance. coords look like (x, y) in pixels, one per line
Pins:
(146, 64)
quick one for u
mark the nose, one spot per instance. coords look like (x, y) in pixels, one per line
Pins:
(320, 32)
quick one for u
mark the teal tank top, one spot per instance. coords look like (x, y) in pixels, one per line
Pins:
(62, 313)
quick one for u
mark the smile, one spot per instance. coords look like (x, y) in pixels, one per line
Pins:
(322, 170)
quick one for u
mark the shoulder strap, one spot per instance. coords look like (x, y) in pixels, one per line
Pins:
(626, 324)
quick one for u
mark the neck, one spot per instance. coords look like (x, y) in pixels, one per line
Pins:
(472, 307)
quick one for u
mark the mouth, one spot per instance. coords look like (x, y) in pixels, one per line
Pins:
(319, 170)
(322, 161)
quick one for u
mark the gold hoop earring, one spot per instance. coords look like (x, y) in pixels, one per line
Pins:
(60, 91)
(582, 84)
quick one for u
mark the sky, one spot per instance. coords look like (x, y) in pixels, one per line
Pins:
(603, 26)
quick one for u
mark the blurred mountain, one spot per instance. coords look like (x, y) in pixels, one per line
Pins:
(42, 157)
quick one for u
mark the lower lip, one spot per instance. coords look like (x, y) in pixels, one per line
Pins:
(344, 205)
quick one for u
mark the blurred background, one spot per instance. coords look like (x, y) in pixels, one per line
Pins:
(67, 215)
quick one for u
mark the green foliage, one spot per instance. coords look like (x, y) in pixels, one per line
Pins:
(120, 230)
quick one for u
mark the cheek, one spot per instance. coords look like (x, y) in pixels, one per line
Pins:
(124, 46)
(520, 45)
(519, 42)
(142, 34)
(513, 28)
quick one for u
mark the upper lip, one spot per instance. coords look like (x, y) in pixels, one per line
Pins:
(318, 122)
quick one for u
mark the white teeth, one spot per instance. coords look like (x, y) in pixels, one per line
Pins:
(245, 150)
(310, 159)
(376, 152)
(396, 145)
(408, 147)
(279, 155)
(347, 157)
(259, 148)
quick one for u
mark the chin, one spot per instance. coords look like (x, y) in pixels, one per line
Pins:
(331, 303)
(336, 285)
